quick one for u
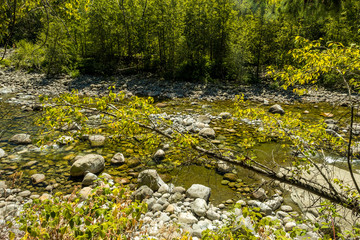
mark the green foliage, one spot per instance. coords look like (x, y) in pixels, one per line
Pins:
(106, 214)
(29, 56)
(312, 61)
(201, 40)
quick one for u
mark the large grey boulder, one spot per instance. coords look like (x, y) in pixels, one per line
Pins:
(21, 138)
(276, 109)
(151, 179)
(199, 191)
(199, 207)
(93, 163)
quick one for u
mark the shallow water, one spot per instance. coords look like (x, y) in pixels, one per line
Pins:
(55, 163)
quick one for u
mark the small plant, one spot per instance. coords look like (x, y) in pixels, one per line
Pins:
(106, 214)
(28, 56)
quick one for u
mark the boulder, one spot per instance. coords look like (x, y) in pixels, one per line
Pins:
(199, 191)
(118, 158)
(21, 138)
(89, 179)
(207, 132)
(199, 207)
(93, 163)
(151, 179)
(97, 140)
(142, 193)
(276, 109)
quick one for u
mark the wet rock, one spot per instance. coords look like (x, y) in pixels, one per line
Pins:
(207, 132)
(21, 138)
(276, 109)
(224, 167)
(37, 178)
(30, 164)
(97, 140)
(151, 179)
(230, 176)
(89, 179)
(118, 158)
(199, 191)
(91, 162)
(142, 193)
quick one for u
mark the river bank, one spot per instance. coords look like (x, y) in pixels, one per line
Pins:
(13, 81)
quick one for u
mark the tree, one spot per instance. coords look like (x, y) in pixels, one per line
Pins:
(134, 121)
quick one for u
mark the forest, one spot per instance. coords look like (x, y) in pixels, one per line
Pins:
(184, 40)
(99, 96)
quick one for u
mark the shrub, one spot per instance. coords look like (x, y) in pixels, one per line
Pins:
(106, 214)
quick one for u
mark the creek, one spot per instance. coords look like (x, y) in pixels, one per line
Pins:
(54, 161)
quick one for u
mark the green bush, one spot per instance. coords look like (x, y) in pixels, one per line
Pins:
(106, 214)
(28, 56)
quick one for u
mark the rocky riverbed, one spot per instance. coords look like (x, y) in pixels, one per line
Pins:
(28, 85)
(171, 207)
(168, 204)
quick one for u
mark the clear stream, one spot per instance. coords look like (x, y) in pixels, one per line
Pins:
(21, 162)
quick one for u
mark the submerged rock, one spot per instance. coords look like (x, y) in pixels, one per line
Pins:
(91, 162)
(207, 132)
(21, 138)
(276, 109)
(97, 140)
(118, 158)
(37, 178)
